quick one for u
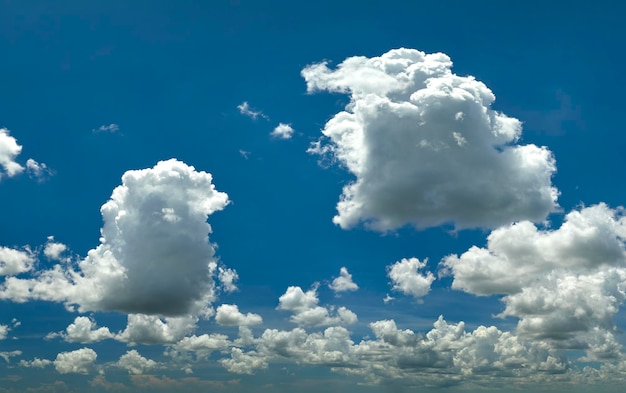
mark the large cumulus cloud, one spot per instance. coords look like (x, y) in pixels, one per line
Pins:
(154, 256)
(426, 147)
(564, 285)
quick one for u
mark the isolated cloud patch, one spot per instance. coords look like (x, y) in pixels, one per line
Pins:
(406, 277)
(282, 131)
(154, 257)
(306, 311)
(344, 282)
(229, 315)
(79, 361)
(426, 148)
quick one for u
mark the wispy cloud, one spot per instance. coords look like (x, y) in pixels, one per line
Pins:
(246, 110)
(112, 128)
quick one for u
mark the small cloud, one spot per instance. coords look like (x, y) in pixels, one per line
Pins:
(388, 298)
(246, 110)
(344, 282)
(244, 153)
(112, 128)
(38, 170)
(282, 131)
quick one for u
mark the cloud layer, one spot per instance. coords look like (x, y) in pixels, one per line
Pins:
(426, 147)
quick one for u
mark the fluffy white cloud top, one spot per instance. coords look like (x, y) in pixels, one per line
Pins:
(79, 361)
(406, 277)
(134, 363)
(154, 255)
(14, 261)
(344, 282)
(282, 131)
(426, 148)
(306, 311)
(9, 150)
(229, 315)
(564, 285)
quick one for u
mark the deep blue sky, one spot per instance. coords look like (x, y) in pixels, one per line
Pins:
(171, 75)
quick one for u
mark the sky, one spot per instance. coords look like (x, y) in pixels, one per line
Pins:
(273, 196)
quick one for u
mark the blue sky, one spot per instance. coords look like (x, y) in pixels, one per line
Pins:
(398, 196)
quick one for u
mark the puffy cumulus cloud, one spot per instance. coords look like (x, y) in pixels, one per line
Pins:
(229, 315)
(282, 131)
(4, 330)
(79, 361)
(14, 261)
(134, 363)
(564, 285)
(243, 363)
(9, 150)
(305, 310)
(198, 347)
(35, 363)
(406, 278)
(426, 148)
(150, 329)
(154, 255)
(53, 250)
(83, 330)
(344, 282)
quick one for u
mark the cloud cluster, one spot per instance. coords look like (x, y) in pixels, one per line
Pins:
(9, 150)
(564, 285)
(154, 255)
(426, 147)
(306, 311)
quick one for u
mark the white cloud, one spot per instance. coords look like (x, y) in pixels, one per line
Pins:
(53, 250)
(406, 278)
(229, 315)
(38, 170)
(7, 355)
(134, 363)
(150, 329)
(201, 347)
(78, 361)
(35, 363)
(305, 310)
(112, 128)
(565, 285)
(282, 131)
(9, 150)
(344, 282)
(426, 148)
(154, 257)
(243, 363)
(227, 277)
(84, 330)
(4, 330)
(246, 110)
(14, 261)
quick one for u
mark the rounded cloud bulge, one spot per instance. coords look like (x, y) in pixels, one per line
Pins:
(154, 255)
(426, 148)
